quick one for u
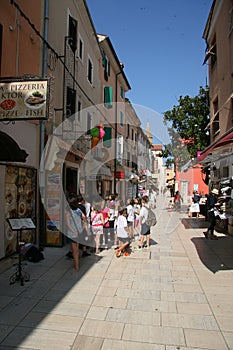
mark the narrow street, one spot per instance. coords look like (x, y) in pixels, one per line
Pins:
(176, 295)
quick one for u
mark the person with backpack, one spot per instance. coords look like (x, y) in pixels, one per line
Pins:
(145, 228)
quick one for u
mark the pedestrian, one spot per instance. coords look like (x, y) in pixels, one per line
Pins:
(106, 228)
(111, 205)
(73, 216)
(212, 202)
(81, 206)
(137, 207)
(152, 199)
(122, 233)
(97, 221)
(130, 217)
(145, 229)
(177, 200)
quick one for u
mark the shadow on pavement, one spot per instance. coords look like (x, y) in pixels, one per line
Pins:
(50, 280)
(153, 242)
(216, 255)
(192, 223)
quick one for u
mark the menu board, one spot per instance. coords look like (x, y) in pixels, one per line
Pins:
(21, 224)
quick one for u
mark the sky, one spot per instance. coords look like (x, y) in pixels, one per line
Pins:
(160, 43)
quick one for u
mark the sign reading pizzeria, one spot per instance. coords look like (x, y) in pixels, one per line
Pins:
(24, 99)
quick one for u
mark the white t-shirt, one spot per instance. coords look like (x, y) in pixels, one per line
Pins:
(143, 214)
(130, 212)
(121, 225)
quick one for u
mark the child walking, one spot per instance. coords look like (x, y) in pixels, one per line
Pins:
(122, 233)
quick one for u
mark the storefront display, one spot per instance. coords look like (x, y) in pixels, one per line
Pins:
(20, 199)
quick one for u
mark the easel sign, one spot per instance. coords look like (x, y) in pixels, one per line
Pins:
(17, 224)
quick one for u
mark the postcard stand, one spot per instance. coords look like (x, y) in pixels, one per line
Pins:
(19, 225)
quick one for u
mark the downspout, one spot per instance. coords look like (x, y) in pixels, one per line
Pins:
(42, 122)
(116, 128)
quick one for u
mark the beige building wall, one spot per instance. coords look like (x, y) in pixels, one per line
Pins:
(219, 37)
(87, 94)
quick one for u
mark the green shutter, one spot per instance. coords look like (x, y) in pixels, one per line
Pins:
(104, 59)
(108, 96)
(107, 139)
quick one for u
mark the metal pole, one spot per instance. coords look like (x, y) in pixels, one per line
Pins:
(116, 128)
(42, 122)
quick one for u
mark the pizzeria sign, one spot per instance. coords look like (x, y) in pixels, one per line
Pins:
(20, 100)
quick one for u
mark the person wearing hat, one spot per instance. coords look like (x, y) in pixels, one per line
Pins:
(212, 202)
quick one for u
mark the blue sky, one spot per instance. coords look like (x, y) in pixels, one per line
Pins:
(161, 46)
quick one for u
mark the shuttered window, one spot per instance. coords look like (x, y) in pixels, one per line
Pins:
(108, 97)
(107, 140)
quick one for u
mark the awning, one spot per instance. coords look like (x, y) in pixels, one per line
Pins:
(224, 140)
(10, 150)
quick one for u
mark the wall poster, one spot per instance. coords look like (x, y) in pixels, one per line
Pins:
(54, 206)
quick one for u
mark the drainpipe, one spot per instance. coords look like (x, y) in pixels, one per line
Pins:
(42, 122)
(116, 128)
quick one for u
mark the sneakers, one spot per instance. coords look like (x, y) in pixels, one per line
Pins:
(118, 253)
(145, 246)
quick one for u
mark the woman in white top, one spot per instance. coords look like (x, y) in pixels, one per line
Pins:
(145, 229)
(130, 216)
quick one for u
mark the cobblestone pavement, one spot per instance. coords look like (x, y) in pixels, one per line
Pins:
(175, 295)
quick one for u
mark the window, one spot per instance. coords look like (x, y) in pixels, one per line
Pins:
(90, 70)
(80, 48)
(122, 94)
(108, 97)
(107, 139)
(72, 33)
(128, 130)
(121, 118)
(128, 159)
(215, 123)
(231, 21)
(106, 65)
(132, 133)
(79, 110)
(88, 122)
(70, 102)
(213, 54)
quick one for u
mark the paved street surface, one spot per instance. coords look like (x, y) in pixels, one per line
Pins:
(176, 295)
